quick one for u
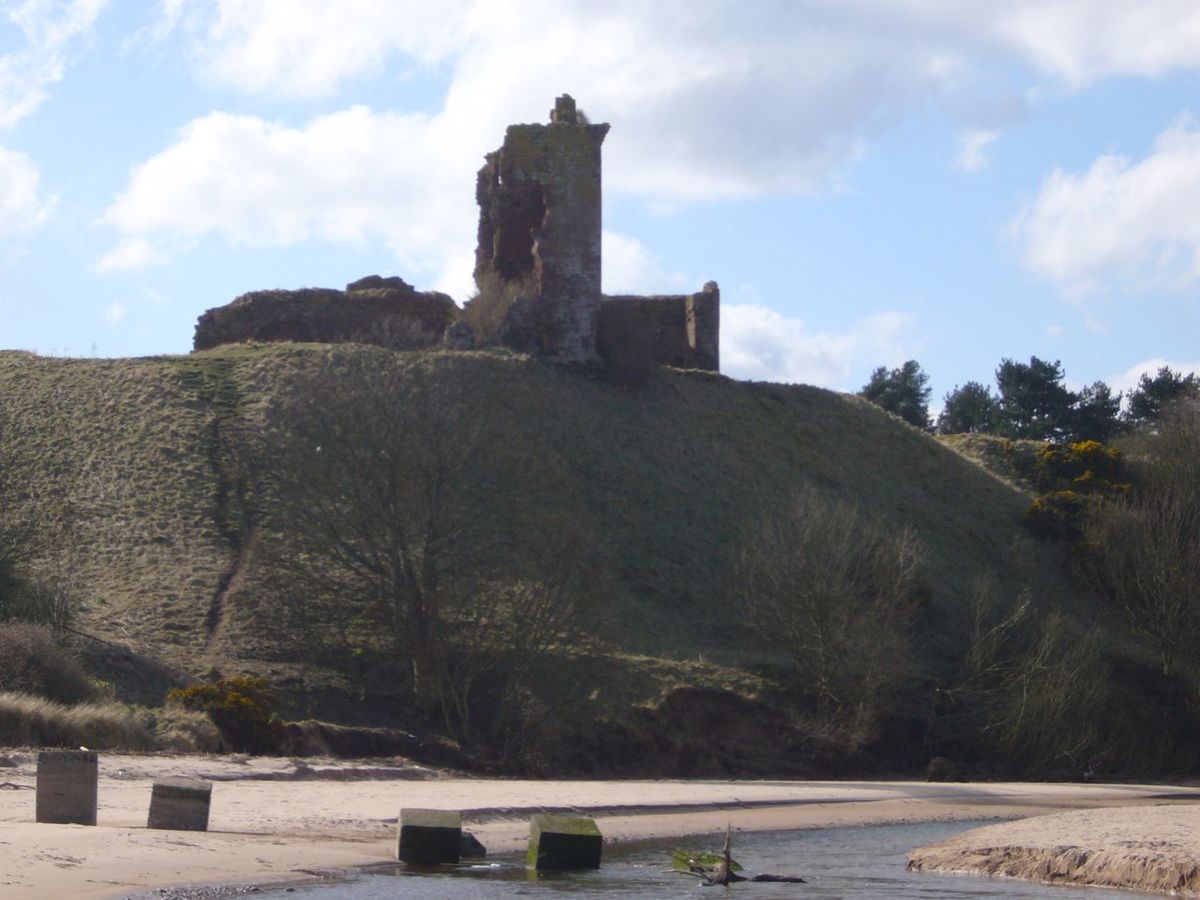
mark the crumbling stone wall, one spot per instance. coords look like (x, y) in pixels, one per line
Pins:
(537, 270)
(537, 264)
(372, 310)
(681, 330)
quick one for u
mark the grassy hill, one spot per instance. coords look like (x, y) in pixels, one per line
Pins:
(122, 466)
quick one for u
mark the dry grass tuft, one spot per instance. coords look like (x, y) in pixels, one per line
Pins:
(28, 721)
(181, 730)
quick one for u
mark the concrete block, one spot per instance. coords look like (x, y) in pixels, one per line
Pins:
(67, 787)
(470, 847)
(180, 804)
(563, 842)
(429, 837)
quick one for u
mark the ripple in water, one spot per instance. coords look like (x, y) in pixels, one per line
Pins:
(837, 863)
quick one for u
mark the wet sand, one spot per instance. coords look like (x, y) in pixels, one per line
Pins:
(276, 819)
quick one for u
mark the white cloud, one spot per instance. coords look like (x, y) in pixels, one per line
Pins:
(1128, 380)
(714, 99)
(630, 268)
(348, 177)
(710, 100)
(115, 314)
(306, 48)
(131, 253)
(762, 345)
(457, 277)
(1121, 221)
(22, 208)
(1075, 41)
(1083, 40)
(971, 155)
(48, 29)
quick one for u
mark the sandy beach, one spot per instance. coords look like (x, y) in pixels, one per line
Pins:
(277, 819)
(1150, 848)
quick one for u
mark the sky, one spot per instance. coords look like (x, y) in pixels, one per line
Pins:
(869, 181)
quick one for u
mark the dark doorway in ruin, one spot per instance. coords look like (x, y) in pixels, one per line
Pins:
(525, 210)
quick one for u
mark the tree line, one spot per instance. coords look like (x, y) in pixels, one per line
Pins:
(1030, 401)
(1118, 484)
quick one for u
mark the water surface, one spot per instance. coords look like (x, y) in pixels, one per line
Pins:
(837, 863)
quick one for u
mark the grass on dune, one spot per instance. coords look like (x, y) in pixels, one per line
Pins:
(28, 721)
(123, 465)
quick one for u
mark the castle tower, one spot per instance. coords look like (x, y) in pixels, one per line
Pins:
(537, 263)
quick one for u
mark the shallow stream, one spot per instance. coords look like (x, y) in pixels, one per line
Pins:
(836, 862)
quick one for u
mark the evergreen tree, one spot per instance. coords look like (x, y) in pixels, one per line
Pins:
(1033, 401)
(1148, 400)
(1097, 413)
(903, 391)
(969, 409)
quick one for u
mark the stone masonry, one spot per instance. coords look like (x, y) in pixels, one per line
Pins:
(537, 264)
(537, 274)
(372, 310)
(680, 331)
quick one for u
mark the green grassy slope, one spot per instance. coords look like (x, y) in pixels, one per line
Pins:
(1010, 460)
(120, 464)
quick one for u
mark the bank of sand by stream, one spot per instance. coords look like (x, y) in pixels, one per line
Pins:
(1147, 848)
(280, 819)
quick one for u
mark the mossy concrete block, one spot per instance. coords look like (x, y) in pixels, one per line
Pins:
(563, 842)
(180, 804)
(429, 837)
(67, 787)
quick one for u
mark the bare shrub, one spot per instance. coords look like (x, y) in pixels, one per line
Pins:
(32, 662)
(1142, 551)
(1170, 452)
(1052, 699)
(52, 601)
(373, 465)
(1031, 690)
(837, 591)
(1144, 559)
(367, 459)
(504, 639)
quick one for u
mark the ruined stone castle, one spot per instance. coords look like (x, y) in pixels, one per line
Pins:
(537, 274)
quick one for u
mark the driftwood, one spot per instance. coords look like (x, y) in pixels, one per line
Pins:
(723, 870)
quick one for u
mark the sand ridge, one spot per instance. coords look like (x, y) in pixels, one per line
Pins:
(1148, 848)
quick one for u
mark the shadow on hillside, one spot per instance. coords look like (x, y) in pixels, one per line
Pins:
(135, 677)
